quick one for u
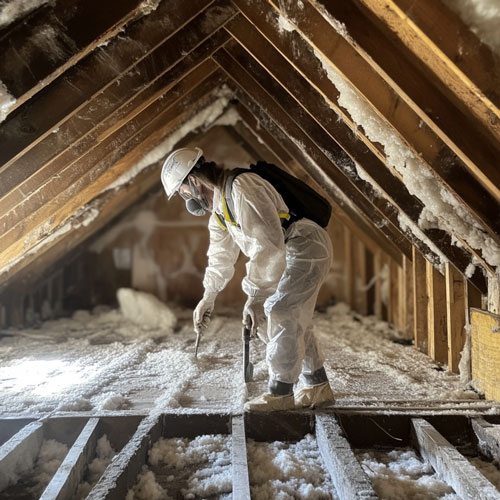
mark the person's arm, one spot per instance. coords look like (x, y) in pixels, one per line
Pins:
(222, 254)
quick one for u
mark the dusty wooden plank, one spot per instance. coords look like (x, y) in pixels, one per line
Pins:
(488, 437)
(341, 54)
(360, 277)
(121, 474)
(25, 127)
(424, 48)
(436, 314)
(349, 479)
(241, 481)
(407, 309)
(349, 268)
(335, 142)
(94, 178)
(485, 352)
(453, 467)
(147, 81)
(420, 300)
(250, 92)
(455, 315)
(65, 481)
(452, 125)
(42, 47)
(19, 453)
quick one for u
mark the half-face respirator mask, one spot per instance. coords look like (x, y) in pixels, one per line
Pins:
(196, 203)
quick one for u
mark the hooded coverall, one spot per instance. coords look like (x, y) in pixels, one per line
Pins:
(284, 272)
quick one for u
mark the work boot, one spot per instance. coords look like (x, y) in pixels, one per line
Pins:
(316, 392)
(279, 397)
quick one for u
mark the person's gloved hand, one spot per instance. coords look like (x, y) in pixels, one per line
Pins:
(203, 311)
(253, 313)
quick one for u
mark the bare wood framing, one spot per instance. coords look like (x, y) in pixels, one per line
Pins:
(94, 74)
(455, 315)
(454, 468)
(351, 482)
(436, 310)
(360, 277)
(420, 300)
(95, 179)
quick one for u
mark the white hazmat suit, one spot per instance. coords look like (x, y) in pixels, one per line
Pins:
(284, 272)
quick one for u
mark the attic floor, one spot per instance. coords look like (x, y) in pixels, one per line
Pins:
(101, 362)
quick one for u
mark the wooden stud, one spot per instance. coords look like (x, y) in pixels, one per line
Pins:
(378, 264)
(351, 482)
(359, 277)
(241, 482)
(455, 315)
(407, 299)
(122, 472)
(436, 314)
(453, 467)
(488, 437)
(420, 301)
(394, 295)
(348, 272)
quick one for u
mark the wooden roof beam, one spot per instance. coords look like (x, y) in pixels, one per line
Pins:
(421, 139)
(51, 40)
(94, 173)
(399, 67)
(27, 126)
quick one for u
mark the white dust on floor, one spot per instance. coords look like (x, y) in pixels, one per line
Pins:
(103, 361)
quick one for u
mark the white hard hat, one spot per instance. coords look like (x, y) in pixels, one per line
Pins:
(177, 167)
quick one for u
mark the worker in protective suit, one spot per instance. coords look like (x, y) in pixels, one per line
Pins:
(284, 272)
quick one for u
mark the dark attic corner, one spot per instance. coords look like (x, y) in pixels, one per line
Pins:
(389, 109)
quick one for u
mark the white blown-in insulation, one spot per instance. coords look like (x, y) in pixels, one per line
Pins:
(6, 101)
(13, 9)
(482, 17)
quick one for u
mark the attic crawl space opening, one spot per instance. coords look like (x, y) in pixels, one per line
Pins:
(389, 108)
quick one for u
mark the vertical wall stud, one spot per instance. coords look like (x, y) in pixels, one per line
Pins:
(419, 301)
(455, 315)
(436, 309)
